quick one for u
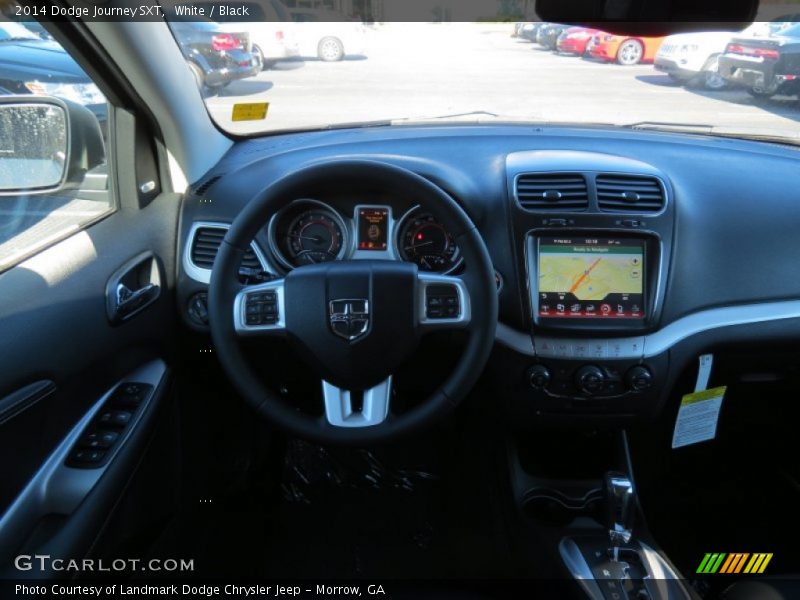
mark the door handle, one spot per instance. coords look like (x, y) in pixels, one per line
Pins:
(133, 286)
(129, 301)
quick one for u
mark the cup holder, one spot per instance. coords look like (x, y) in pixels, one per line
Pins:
(555, 507)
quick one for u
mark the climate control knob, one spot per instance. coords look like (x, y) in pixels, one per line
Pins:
(638, 378)
(590, 379)
(539, 376)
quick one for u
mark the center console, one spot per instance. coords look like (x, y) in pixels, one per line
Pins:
(593, 295)
(597, 233)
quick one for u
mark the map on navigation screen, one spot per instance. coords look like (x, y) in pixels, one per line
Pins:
(597, 277)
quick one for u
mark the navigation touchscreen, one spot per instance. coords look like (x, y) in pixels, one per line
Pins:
(591, 278)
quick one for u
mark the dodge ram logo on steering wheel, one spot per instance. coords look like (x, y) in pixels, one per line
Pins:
(349, 318)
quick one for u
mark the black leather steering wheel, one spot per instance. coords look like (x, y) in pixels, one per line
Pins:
(353, 322)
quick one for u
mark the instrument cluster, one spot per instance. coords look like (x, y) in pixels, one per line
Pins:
(310, 231)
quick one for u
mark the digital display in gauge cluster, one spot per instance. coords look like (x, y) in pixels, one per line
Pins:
(373, 229)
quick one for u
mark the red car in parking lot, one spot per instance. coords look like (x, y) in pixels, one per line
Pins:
(624, 50)
(575, 40)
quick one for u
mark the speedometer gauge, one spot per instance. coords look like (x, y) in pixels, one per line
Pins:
(425, 241)
(314, 236)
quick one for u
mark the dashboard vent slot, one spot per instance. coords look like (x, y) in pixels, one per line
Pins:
(205, 246)
(629, 193)
(201, 189)
(552, 191)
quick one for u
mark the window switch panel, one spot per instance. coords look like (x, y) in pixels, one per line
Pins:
(98, 441)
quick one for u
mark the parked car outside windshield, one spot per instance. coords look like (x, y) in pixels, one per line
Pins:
(32, 65)
(481, 72)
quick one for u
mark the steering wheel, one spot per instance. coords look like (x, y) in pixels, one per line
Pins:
(353, 322)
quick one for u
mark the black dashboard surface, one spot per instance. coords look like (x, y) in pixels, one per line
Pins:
(736, 204)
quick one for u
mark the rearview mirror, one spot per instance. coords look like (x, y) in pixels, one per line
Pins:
(651, 17)
(46, 144)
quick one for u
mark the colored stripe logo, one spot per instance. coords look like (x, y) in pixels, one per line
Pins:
(737, 562)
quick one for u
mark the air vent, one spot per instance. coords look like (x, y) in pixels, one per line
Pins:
(553, 191)
(201, 189)
(629, 193)
(206, 245)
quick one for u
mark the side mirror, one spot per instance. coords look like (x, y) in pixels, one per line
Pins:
(46, 144)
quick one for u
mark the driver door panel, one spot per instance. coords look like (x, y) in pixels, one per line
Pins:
(62, 350)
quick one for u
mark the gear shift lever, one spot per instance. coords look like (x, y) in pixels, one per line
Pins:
(621, 510)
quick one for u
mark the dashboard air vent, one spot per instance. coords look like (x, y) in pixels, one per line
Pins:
(629, 193)
(204, 250)
(552, 191)
(201, 189)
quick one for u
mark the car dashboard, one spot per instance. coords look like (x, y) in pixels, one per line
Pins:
(620, 256)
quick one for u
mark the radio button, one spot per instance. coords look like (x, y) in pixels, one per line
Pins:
(539, 376)
(580, 349)
(626, 348)
(545, 347)
(616, 349)
(563, 349)
(590, 379)
(598, 349)
(639, 378)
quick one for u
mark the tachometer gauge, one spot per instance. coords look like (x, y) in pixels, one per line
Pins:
(425, 241)
(314, 236)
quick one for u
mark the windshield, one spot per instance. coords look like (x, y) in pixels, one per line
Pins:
(793, 31)
(15, 31)
(353, 69)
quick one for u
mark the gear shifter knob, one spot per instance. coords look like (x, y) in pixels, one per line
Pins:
(621, 510)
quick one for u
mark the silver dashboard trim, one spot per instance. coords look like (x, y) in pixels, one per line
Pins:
(672, 334)
(514, 339)
(202, 275)
(717, 318)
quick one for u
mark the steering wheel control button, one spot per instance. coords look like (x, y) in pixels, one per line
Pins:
(441, 302)
(261, 308)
